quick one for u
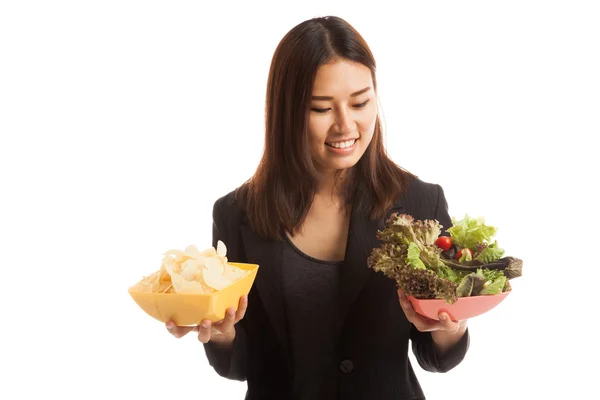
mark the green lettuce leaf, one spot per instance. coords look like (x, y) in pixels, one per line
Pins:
(413, 256)
(470, 285)
(468, 232)
(489, 253)
(495, 281)
(494, 287)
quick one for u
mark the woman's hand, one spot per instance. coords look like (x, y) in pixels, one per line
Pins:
(445, 332)
(222, 332)
(425, 324)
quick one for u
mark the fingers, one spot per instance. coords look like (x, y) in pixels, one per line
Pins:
(425, 324)
(447, 323)
(204, 331)
(232, 316)
(421, 323)
(407, 307)
(179, 331)
(242, 307)
(227, 323)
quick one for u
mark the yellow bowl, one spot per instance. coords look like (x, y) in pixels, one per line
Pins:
(191, 309)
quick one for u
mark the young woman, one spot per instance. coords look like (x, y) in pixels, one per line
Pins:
(318, 323)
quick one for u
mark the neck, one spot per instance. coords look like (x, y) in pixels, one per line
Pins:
(330, 183)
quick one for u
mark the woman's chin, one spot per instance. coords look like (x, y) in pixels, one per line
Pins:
(335, 165)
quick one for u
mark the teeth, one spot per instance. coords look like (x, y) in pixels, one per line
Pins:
(342, 145)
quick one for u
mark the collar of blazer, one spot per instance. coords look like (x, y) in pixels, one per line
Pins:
(355, 272)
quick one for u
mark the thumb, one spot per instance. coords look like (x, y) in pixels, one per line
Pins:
(447, 322)
(179, 331)
(226, 325)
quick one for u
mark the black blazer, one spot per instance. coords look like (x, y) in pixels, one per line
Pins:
(372, 350)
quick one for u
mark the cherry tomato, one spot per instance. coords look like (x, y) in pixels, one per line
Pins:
(461, 251)
(443, 242)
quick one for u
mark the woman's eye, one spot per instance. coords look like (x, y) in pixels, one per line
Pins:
(361, 105)
(324, 110)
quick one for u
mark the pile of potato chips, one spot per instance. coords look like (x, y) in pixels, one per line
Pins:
(192, 272)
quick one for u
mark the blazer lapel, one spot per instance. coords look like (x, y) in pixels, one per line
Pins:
(268, 255)
(362, 238)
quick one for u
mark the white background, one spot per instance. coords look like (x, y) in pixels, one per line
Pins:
(122, 122)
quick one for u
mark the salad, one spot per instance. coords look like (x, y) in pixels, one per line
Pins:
(425, 264)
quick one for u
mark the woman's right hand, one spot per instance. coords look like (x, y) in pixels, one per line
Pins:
(222, 332)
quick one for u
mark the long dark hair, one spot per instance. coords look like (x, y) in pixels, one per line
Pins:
(279, 194)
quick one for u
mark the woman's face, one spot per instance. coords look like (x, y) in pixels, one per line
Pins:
(342, 115)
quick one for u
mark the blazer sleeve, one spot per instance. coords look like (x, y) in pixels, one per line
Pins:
(228, 363)
(422, 344)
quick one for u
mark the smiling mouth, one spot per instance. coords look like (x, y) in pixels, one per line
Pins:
(342, 145)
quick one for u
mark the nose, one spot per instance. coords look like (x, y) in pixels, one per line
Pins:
(343, 121)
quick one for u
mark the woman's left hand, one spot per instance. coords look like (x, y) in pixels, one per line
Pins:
(425, 324)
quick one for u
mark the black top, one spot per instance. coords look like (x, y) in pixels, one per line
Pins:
(372, 336)
(310, 291)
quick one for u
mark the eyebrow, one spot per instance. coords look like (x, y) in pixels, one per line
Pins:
(352, 95)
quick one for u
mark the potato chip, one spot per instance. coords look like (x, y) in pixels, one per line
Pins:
(221, 249)
(193, 271)
(158, 282)
(213, 274)
(233, 273)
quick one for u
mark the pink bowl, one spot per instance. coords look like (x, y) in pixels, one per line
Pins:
(463, 308)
